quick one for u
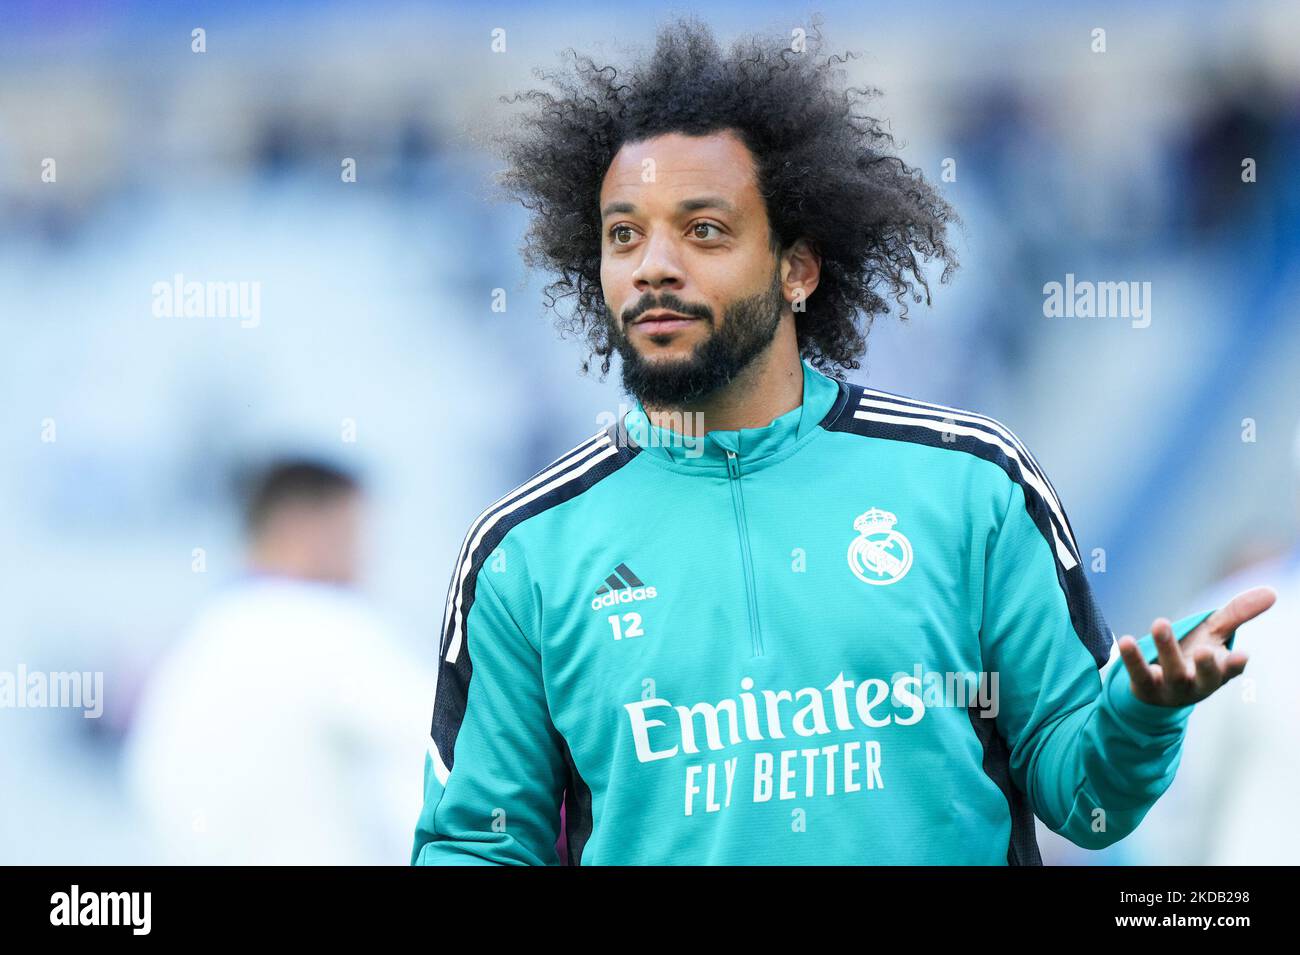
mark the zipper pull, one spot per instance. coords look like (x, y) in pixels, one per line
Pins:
(733, 464)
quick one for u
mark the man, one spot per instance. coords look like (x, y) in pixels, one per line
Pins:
(768, 616)
(273, 731)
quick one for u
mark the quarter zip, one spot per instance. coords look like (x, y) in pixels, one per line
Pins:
(746, 559)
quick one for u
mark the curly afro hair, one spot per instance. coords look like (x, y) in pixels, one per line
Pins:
(825, 171)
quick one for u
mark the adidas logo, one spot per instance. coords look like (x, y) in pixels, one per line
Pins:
(621, 587)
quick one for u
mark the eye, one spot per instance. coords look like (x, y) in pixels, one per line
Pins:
(705, 225)
(617, 230)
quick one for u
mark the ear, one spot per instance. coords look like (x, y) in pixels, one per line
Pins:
(801, 268)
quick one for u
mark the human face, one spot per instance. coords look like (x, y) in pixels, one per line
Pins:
(329, 535)
(691, 281)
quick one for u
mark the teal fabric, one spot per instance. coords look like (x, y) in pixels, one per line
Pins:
(791, 683)
(784, 435)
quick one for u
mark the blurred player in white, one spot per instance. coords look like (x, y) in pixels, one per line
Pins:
(1233, 799)
(281, 727)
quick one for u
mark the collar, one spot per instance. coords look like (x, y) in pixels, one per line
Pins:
(753, 446)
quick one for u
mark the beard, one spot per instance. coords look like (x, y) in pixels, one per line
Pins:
(748, 327)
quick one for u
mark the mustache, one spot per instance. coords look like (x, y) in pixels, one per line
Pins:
(669, 303)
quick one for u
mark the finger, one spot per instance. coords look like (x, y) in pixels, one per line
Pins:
(1245, 606)
(1174, 668)
(1235, 663)
(1139, 673)
(1208, 676)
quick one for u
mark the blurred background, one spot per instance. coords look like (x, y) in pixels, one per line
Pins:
(131, 163)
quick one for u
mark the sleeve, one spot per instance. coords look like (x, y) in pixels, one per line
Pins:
(495, 771)
(1090, 756)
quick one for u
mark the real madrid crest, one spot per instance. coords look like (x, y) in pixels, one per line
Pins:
(879, 554)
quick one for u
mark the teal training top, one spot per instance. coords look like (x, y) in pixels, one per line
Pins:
(860, 634)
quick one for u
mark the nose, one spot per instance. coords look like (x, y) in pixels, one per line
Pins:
(658, 268)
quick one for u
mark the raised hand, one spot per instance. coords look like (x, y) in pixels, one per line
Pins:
(1191, 669)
